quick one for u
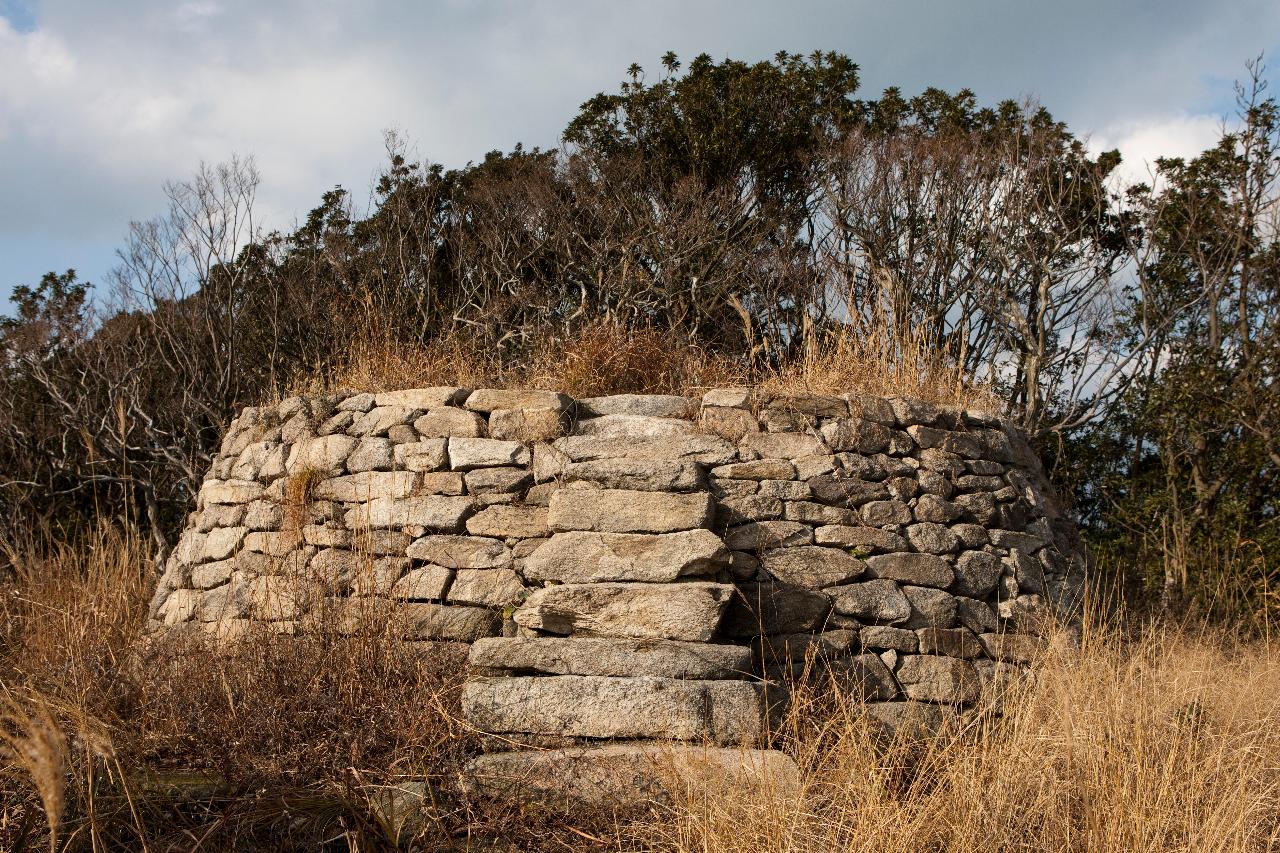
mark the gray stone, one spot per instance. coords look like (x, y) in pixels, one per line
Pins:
(902, 488)
(262, 515)
(910, 411)
(865, 677)
(936, 678)
(978, 506)
(885, 637)
(786, 489)
(918, 569)
(648, 475)
(229, 492)
(930, 538)
(426, 455)
(978, 616)
(1012, 540)
(612, 656)
(728, 423)
(736, 510)
(885, 513)
(930, 608)
(449, 422)
(976, 574)
(856, 435)
(222, 542)
(484, 481)
(490, 587)
(426, 583)
(466, 453)
(775, 608)
(861, 539)
(781, 445)
(952, 642)
(627, 511)
(971, 536)
(435, 512)
(682, 611)
(491, 399)
(877, 600)
(367, 485)
(527, 425)
(802, 647)
(870, 408)
(357, 403)
(759, 535)
(589, 557)
(630, 775)
(461, 552)
(379, 420)
(812, 566)
(446, 622)
(648, 405)
(740, 397)
(933, 508)
(705, 449)
(845, 491)
(421, 398)
(440, 483)
(1018, 648)
(520, 522)
(379, 577)
(212, 574)
(722, 712)
(818, 514)
(757, 469)
(371, 454)
(634, 427)
(548, 463)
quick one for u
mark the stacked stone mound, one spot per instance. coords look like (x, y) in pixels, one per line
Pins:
(636, 568)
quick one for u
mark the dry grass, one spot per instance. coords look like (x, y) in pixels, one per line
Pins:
(1161, 739)
(603, 359)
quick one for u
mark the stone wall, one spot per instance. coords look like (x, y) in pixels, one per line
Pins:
(636, 568)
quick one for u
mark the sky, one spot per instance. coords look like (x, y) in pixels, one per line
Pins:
(102, 102)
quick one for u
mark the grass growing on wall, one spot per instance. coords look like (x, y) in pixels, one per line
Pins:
(1151, 737)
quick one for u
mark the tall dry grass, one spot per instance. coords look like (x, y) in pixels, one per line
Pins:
(602, 358)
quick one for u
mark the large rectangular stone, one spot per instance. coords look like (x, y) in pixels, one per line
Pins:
(588, 557)
(436, 512)
(612, 656)
(367, 485)
(626, 511)
(722, 712)
(706, 449)
(646, 475)
(446, 622)
(678, 611)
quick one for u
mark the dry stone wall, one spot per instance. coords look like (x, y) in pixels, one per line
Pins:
(636, 568)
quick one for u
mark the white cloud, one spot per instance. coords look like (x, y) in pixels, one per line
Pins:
(1141, 142)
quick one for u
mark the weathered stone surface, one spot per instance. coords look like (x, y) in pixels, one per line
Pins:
(781, 445)
(775, 608)
(648, 475)
(466, 453)
(450, 421)
(627, 511)
(423, 584)
(875, 600)
(846, 491)
(751, 507)
(356, 403)
(229, 492)
(818, 514)
(210, 575)
(816, 405)
(426, 455)
(527, 424)
(731, 424)
(756, 469)
(952, 642)
(812, 566)
(521, 522)
(683, 611)
(706, 449)
(487, 481)
(629, 775)
(930, 608)
(930, 538)
(1018, 648)
(274, 543)
(379, 420)
(918, 569)
(489, 587)
(978, 506)
(648, 405)
(978, 616)
(588, 557)
(371, 454)
(446, 622)
(491, 399)
(885, 637)
(865, 677)
(885, 513)
(976, 574)
(760, 535)
(865, 539)
(421, 398)
(435, 512)
(786, 489)
(1027, 543)
(722, 712)
(367, 485)
(801, 647)
(261, 515)
(440, 483)
(741, 397)
(179, 606)
(634, 427)
(935, 678)
(222, 542)
(612, 656)
(461, 552)
(856, 435)
(971, 536)
(379, 577)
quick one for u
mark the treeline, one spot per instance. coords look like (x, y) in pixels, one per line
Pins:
(750, 210)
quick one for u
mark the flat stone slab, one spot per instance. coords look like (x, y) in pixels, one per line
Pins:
(646, 475)
(627, 511)
(812, 566)
(721, 712)
(706, 449)
(634, 426)
(461, 552)
(588, 557)
(917, 569)
(367, 485)
(436, 512)
(631, 775)
(610, 656)
(677, 611)
(650, 405)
